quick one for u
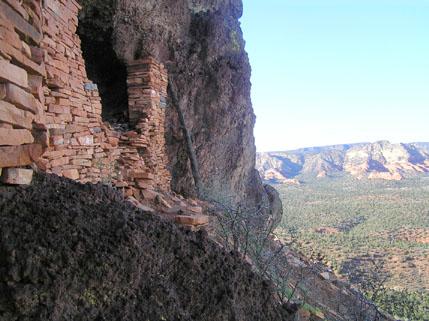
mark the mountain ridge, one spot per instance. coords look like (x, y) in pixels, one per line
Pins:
(378, 160)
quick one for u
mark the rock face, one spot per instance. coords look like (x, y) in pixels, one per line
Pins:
(51, 112)
(380, 160)
(80, 252)
(202, 46)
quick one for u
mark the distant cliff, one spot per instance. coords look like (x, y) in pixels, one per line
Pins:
(379, 160)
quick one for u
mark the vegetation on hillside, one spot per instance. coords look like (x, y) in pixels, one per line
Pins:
(349, 223)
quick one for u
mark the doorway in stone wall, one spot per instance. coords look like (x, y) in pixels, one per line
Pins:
(102, 64)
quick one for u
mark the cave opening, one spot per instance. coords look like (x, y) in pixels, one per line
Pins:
(103, 66)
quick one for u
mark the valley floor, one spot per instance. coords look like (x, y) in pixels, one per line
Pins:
(361, 225)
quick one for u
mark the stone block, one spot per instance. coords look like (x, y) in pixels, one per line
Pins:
(2, 91)
(128, 192)
(20, 23)
(71, 174)
(85, 140)
(193, 220)
(25, 49)
(57, 109)
(114, 141)
(82, 162)
(195, 209)
(11, 156)
(22, 59)
(35, 84)
(16, 5)
(37, 54)
(22, 155)
(10, 37)
(136, 203)
(60, 161)
(149, 195)
(17, 176)
(53, 5)
(42, 164)
(161, 201)
(13, 74)
(11, 115)
(145, 184)
(141, 174)
(22, 99)
(90, 86)
(7, 126)
(15, 136)
(57, 140)
(57, 131)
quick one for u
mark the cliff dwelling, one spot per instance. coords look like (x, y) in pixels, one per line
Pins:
(108, 72)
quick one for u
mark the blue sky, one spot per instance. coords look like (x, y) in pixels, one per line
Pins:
(329, 72)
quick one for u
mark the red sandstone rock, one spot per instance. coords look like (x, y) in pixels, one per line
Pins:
(25, 49)
(22, 59)
(42, 164)
(37, 54)
(57, 109)
(161, 201)
(22, 155)
(17, 176)
(86, 140)
(120, 184)
(21, 98)
(35, 83)
(20, 23)
(16, 6)
(10, 37)
(15, 136)
(12, 73)
(57, 140)
(149, 195)
(195, 209)
(113, 140)
(11, 115)
(60, 161)
(71, 173)
(2, 91)
(128, 192)
(194, 220)
(145, 184)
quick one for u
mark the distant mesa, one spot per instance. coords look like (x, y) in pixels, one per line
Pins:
(379, 160)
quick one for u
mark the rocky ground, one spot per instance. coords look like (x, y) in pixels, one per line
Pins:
(79, 252)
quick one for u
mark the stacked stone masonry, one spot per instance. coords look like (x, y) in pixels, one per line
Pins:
(50, 112)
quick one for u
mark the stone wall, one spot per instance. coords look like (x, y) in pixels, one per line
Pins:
(147, 98)
(50, 112)
(22, 130)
